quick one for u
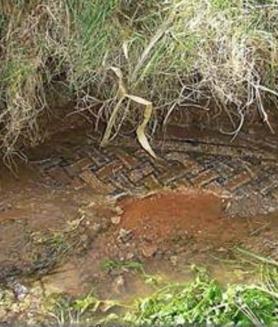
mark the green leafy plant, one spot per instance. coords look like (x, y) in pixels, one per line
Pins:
(200, 302)
(204, 302)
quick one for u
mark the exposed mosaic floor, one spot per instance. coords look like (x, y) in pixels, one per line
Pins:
(247, 173)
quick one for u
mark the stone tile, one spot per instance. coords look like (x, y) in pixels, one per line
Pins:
(204, 178)
(237, 181)
(97, 185)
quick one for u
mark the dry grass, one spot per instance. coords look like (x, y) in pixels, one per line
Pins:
(175, 54)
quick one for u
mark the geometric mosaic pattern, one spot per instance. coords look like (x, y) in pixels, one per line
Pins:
(236, 170)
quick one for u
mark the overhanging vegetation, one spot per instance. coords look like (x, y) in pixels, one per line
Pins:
(173, 54)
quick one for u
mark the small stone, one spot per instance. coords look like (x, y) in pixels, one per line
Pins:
(116, 220)
(271, 209)
(84, 238)
(91, 204)
(119, 210)
(174, 260)
(19, 290)
(130, 256)
(149, 250)
(119, 284)
(96, 227)
(125, 235)
(227, 205)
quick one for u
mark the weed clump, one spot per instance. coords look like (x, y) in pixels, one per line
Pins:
(175, 54)
(201, 302)
(204, 302)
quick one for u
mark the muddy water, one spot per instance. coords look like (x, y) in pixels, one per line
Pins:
(59, 239)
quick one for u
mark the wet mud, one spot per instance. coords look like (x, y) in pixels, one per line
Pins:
(62, 238)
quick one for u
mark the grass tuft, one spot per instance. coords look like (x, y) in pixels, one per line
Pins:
(176, 54)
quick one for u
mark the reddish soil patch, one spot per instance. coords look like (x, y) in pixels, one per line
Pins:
(181, 214)
(183, 226)
(166, 214)
(170, 231)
